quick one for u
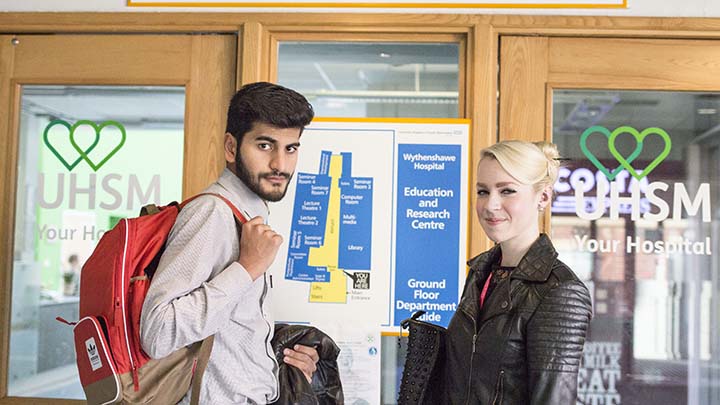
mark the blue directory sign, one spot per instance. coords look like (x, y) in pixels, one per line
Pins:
(428, 231)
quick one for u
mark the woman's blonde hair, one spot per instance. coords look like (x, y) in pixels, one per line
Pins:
(531, 163)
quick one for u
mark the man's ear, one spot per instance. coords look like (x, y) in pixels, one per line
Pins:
(230, 146)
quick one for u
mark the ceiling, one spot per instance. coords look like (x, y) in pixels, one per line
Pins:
(131, 105)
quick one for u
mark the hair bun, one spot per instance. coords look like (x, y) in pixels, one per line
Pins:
(533, 163)
(549, 149)
(552, 155)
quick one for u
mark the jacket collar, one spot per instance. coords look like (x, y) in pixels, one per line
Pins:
(536, 265)
(481, 263)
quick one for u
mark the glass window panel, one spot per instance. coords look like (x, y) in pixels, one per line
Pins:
(356, 79)
(67, 195)
(654, 273)
(373, 79)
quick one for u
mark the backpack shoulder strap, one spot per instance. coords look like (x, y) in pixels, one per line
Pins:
(239, 217)
(207, 343)
(202, 362)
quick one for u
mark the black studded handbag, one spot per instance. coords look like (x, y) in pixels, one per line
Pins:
(422, 380)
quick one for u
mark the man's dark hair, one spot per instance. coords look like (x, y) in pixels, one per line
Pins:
(267, 103)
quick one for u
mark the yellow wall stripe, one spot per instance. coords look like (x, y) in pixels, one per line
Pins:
(131, 3)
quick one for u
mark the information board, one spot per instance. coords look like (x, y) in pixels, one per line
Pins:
(374, 222)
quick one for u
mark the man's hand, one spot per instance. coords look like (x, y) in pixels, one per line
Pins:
(304, 358)
(258, 246)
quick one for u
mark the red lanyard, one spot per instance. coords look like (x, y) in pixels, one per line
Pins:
(485, 290)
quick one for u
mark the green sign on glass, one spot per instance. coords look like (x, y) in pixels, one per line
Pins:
(625, 161)
(84, 153)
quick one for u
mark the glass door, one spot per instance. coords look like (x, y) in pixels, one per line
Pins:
(381, 76)
(635, 210)
(100, 126)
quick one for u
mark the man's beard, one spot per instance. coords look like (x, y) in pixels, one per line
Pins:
(253, 182)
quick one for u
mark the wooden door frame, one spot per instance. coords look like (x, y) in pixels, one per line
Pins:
(149, 60)
(482, 85)
(536, 66)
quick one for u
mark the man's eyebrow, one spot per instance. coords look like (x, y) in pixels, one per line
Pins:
(266, 139)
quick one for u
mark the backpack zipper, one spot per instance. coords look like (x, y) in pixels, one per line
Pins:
(136, 380)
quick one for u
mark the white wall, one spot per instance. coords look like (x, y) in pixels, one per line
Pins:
(660, 8)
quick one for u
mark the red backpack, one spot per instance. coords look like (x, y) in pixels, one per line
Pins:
(114, 280)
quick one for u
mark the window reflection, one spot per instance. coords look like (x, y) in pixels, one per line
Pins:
(653, 273)
(373, 79)
(67, 199)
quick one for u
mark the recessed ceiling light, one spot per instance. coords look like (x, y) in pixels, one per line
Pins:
(384, 55)
(707, 111)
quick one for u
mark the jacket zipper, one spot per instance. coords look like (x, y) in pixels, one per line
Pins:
(499, 385)
(499, 388)
(472, 356)
(474, 341)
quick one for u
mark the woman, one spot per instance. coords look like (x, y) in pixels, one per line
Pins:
(518, 333)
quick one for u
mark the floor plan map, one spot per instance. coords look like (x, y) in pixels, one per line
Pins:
(331, 231)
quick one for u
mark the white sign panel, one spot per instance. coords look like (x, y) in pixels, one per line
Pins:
(359, 360)
(386, 3)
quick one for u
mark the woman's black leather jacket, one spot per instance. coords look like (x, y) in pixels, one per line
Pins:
(525, 345)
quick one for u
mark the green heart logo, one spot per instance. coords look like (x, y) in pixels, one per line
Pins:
(595, 161)
(84, 154)
(46, 140)
(639, 137)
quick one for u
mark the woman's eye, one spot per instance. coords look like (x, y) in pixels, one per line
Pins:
(482, 192)
(508, 191)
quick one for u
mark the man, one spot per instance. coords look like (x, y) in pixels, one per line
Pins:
(71, 276)
(210, 283)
